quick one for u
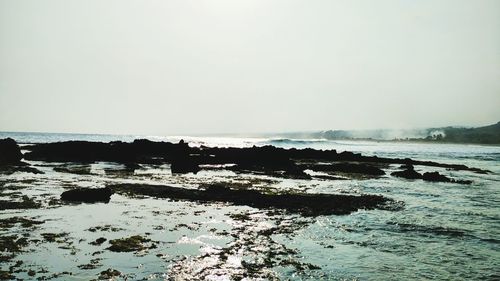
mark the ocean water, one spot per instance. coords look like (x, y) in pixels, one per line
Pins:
(445, 231)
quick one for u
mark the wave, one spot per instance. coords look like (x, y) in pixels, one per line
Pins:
(296, 141)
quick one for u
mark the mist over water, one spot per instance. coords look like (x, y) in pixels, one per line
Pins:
(385, 134)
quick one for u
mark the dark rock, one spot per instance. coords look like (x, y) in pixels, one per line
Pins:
(109, 274)
(12, 243)
(10, 153)
(98, 241)
(130, 244)
(296, 173)
(183, 165)
(19, 167)
(106, 227)
(6, 275)
(29, 170)
(139, 151)
(55, 237)
(132, 166)
(266, 159)
(24, 222)
(305, 204)
(26, 203)
(93, 264)
(408, 173)
(435, 177)
(87, 195)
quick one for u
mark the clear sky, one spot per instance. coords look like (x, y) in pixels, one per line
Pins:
(231, 66)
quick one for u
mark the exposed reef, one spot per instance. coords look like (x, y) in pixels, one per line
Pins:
(184, 159)
(266, 160)
(305, 204)
(184, 164)
(25, 203)
(18, 167)
(10, 159)
(109, 274)
(410, 173)
(10, 153)
(437, 177)
(130, 244)
(87, 195)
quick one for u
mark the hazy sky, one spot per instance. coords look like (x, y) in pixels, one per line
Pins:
(181, 67)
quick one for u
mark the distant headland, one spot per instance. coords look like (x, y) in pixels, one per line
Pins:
(478, 135)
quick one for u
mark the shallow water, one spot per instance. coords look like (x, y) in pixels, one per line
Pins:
(445, 230)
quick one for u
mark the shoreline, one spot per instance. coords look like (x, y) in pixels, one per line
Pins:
(257, 138)
(144, 202)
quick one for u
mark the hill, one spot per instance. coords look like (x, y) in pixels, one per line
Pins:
(480, 135)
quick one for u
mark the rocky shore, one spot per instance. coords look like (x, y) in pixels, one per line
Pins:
(304, 164)
(185, 159)
(268, 186)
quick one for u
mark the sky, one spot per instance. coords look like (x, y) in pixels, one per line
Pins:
(247, 66)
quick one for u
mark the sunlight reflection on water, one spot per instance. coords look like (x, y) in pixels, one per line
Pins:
(446, 231)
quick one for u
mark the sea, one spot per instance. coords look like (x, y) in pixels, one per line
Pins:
(445, 231)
